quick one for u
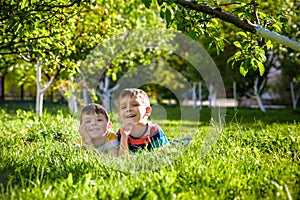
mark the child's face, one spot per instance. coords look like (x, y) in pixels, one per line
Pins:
(95, 125)
(132, 109)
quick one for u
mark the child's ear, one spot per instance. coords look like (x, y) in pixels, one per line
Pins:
(148, 111)
(109, 125)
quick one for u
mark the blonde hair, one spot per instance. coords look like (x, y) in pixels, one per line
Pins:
(92, 109)
(135, 92)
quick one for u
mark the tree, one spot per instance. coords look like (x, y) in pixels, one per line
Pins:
(62, 33)
(58, 33)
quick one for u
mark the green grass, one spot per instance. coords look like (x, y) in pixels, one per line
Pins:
(256, 156)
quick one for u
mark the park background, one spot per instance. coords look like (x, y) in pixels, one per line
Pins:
(255, 153)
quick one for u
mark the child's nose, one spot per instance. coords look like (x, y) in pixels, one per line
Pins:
(128, 108)
(94, 122)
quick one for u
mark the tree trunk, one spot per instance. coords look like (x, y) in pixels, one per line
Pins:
(294, 97)
(212, 97)
(69, 95)
(200, 95)
(257, 92)
(85, 96)
(260, 103)
(40, 91)
(39, 94)
(39, 103)
(194, 96)
(72, 104)
(106, 93)
(234, 96)
(106, 101)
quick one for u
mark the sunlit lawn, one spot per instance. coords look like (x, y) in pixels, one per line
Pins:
(256, 156)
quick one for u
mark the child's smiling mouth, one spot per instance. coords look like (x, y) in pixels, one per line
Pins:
(130, 116)
(95, 129)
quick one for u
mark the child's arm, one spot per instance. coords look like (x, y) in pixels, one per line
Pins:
(125, 130)
(123, 145)
(113, 149)
(86, 139)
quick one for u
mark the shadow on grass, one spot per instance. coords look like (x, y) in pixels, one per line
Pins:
(242, 115)
(251, 115)
(11, 106)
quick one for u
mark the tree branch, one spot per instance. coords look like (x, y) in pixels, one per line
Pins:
(255, 13)
(243, 24)
(277, 38)
(47, 85)
(229, 4)
(217, 12)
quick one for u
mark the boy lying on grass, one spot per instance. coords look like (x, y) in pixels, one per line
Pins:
(136, 133)
(95, 130)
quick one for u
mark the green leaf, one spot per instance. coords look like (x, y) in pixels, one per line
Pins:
(263, 57)
(70, 180)
(269, 44)
(230, 59)
(277, 27)
(243, 70)
(178, 15)
(237, 44)
(168, 17)
(234, 58)
(23, 5)
(221, 44)
(181, 25)
(114, 76)
(253, 63)
(242, 34)
(147, 3)
(162, 14)
(247, 46)
(237, 55)
(248, 63)
(261, 68)
(192, 34)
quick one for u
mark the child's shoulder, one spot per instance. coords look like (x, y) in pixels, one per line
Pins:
(153, 127)
(111, 136)
(152, 124)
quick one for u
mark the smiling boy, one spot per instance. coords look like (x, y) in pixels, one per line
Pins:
(136, 133)
(95, 129)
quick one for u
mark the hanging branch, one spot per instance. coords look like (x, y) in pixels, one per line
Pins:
(240, 23)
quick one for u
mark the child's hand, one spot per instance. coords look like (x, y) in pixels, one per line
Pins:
(126, 128)
(125, 132)
(87, 140)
